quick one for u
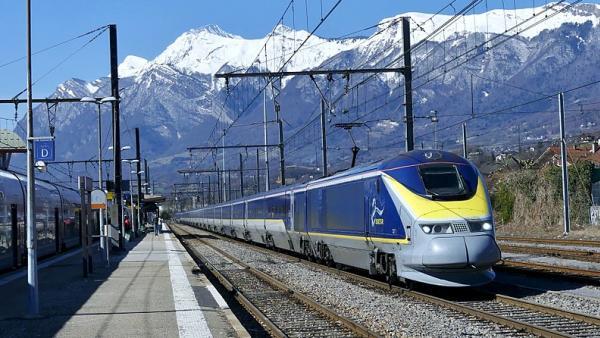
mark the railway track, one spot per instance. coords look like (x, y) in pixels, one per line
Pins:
(578, 250)
(509, 312)
(555, 241)
(281, 310)
(581, 255)
(591, 277)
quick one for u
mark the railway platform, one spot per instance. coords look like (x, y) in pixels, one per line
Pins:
(152, 289)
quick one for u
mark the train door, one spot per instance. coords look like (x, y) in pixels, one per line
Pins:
(291, 211)
(298, 207)
(57, 233)
(376, 208)
(14, 228)
(382, 217)
(244, 216)
(78, 218)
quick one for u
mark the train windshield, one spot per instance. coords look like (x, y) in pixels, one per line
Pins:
(443, 182)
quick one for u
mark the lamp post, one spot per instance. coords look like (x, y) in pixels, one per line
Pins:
(33, 307)
(139, 202)
(131, 209)
(122, 229)
(103, 232)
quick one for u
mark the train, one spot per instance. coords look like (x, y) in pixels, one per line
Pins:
(423, 216)
(57, 211)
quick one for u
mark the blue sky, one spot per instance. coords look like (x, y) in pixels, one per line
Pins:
(146, 27)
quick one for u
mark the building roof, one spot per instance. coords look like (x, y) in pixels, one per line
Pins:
(10, 142)
(573, 155)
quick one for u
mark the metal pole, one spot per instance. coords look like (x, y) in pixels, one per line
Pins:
(131, 221)
(563, 161)
(281, 150)
(323, 138)
(209, 191)
(435, 135)
(464, 137)
(229, 185)
(203, 195)
(139, 179)
(257, 172)
(114, 85)
(103, 232)
(218, 185)
(472, 99)
(146, 176)
(267, 179)
(83, 224)
(241, 176)
(519, 135)
(224, 196)
(32, 277)
(408, 109)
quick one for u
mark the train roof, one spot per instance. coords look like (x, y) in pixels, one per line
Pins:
(45, 183)
(411, 158)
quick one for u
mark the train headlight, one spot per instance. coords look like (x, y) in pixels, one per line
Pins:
(479, 226)
(444, 228)
(440, 228)
(487, 226)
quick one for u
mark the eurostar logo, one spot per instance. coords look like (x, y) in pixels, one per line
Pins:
(376, 213)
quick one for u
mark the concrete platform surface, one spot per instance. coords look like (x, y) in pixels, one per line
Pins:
(153, 289)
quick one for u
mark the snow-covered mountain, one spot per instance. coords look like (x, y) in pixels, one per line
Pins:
(209, 48)
(176, 102)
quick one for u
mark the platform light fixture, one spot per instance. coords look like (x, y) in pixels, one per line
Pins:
(99, 102)
(122, 148)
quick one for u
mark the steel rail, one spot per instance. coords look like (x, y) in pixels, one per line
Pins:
(267, 324)
(551, 268)
(302, 298)
(549, 310)
(583, 255)
(575, 242)
(469, 310)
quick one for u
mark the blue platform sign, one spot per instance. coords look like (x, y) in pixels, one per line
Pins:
(44, 150)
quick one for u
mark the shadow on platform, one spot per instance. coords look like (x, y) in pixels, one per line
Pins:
(63, 292)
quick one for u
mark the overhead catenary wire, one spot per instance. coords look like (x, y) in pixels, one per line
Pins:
(64, 60)
(505, 109)
(311, 120)
(392, 21)
(281, 68)
(547, 17)
(7, 63)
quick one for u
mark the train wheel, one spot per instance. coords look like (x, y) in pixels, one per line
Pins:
(390, 270)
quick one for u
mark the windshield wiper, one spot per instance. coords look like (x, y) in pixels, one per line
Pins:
(437, 196)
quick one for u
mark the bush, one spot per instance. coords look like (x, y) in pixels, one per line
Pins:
(503, 201)
(533, 197)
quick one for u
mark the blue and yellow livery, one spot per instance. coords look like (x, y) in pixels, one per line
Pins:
(423, 216)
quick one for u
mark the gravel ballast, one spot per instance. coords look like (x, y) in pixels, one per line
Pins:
(389, 314)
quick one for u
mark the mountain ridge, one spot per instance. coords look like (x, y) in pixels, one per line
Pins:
(175, 101)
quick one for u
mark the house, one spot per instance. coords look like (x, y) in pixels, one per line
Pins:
(585, 152)
(574, 154)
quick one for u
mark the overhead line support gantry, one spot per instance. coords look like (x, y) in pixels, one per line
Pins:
(406, 71)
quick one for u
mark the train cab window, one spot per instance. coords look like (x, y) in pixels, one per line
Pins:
(443, 182)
